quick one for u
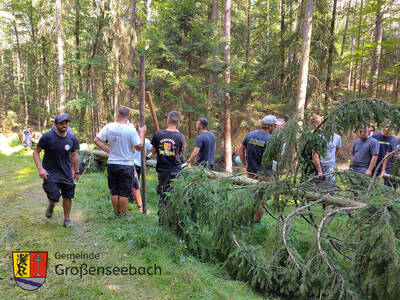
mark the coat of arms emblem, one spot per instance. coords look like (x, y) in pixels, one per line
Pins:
(30, 269)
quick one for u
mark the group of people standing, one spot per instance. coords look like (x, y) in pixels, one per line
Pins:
(370, 152)
(123, 144)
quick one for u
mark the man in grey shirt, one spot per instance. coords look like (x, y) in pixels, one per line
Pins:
(122, 140)
(328, 161)
(364, 153)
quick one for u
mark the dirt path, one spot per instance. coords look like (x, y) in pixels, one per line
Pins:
(24, 227)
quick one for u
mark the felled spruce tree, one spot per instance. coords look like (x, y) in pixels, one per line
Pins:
(350, 251)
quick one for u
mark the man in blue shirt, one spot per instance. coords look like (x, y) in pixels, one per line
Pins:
(251, 152)
(384, 139)
(387, 165)
(204, 147)
(364, 153)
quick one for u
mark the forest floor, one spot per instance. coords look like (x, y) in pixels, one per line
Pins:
(135, 240)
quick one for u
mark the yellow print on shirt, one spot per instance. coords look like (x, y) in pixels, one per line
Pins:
(167, 149)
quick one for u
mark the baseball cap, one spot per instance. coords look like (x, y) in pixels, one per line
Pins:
(203, 121)
(270, 119)
(61, 118)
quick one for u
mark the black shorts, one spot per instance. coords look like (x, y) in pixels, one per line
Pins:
(136, 183)
(52, 190)
(120, 178)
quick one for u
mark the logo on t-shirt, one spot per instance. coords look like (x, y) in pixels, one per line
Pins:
(67, 147)
(167, 149)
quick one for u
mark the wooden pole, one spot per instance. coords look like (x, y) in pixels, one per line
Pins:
(142, 103)
(152, 110)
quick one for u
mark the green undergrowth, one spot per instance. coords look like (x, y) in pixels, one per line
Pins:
(135, 240)
(358, 254)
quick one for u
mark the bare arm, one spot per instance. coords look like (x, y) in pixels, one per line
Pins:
(242, 155)
(385, 163)
(195, 152)
(371, 165)
(101, 144)
(36, 158)
(142, 133)
(317, 164)
(75, 164)
(153, 151)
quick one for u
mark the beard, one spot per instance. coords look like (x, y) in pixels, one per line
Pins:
(63, 128)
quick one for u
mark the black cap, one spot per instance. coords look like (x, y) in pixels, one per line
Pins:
(204, 122)
(61, 118)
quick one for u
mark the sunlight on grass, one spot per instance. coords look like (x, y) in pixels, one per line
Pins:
(136, 239)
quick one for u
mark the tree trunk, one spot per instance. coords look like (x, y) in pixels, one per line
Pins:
(353, 42)
(304, 61)
(46, 83)
(282, 46)
(19, 70)
(132, 47)
(211, 80)
(345, 29)
(227, 123)
(117, 9)
(361, 72)
(25, 78)
(248, 33)
(3, 95)
(330, 56)
(36, 65)
(142, 104)
(298, 27)
(396, 81)
(358, 43)
(268, 24)
(373, 83)
(60, 57)
(148, 16)
(290, 30)
(77, 45)
(89, 67)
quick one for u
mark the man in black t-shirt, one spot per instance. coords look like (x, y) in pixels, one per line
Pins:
(56, 169)
(169, 145)
(204, 147)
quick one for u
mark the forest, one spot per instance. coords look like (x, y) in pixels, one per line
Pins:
(232, 62)
(229, 61)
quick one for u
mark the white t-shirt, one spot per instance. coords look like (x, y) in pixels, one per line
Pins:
(137, 155)
(122, 138)
(330, 155)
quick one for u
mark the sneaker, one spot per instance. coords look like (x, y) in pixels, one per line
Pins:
(258, 224)
(67, 223)
(49, 211)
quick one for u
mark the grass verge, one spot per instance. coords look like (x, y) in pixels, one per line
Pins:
(135, 240)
